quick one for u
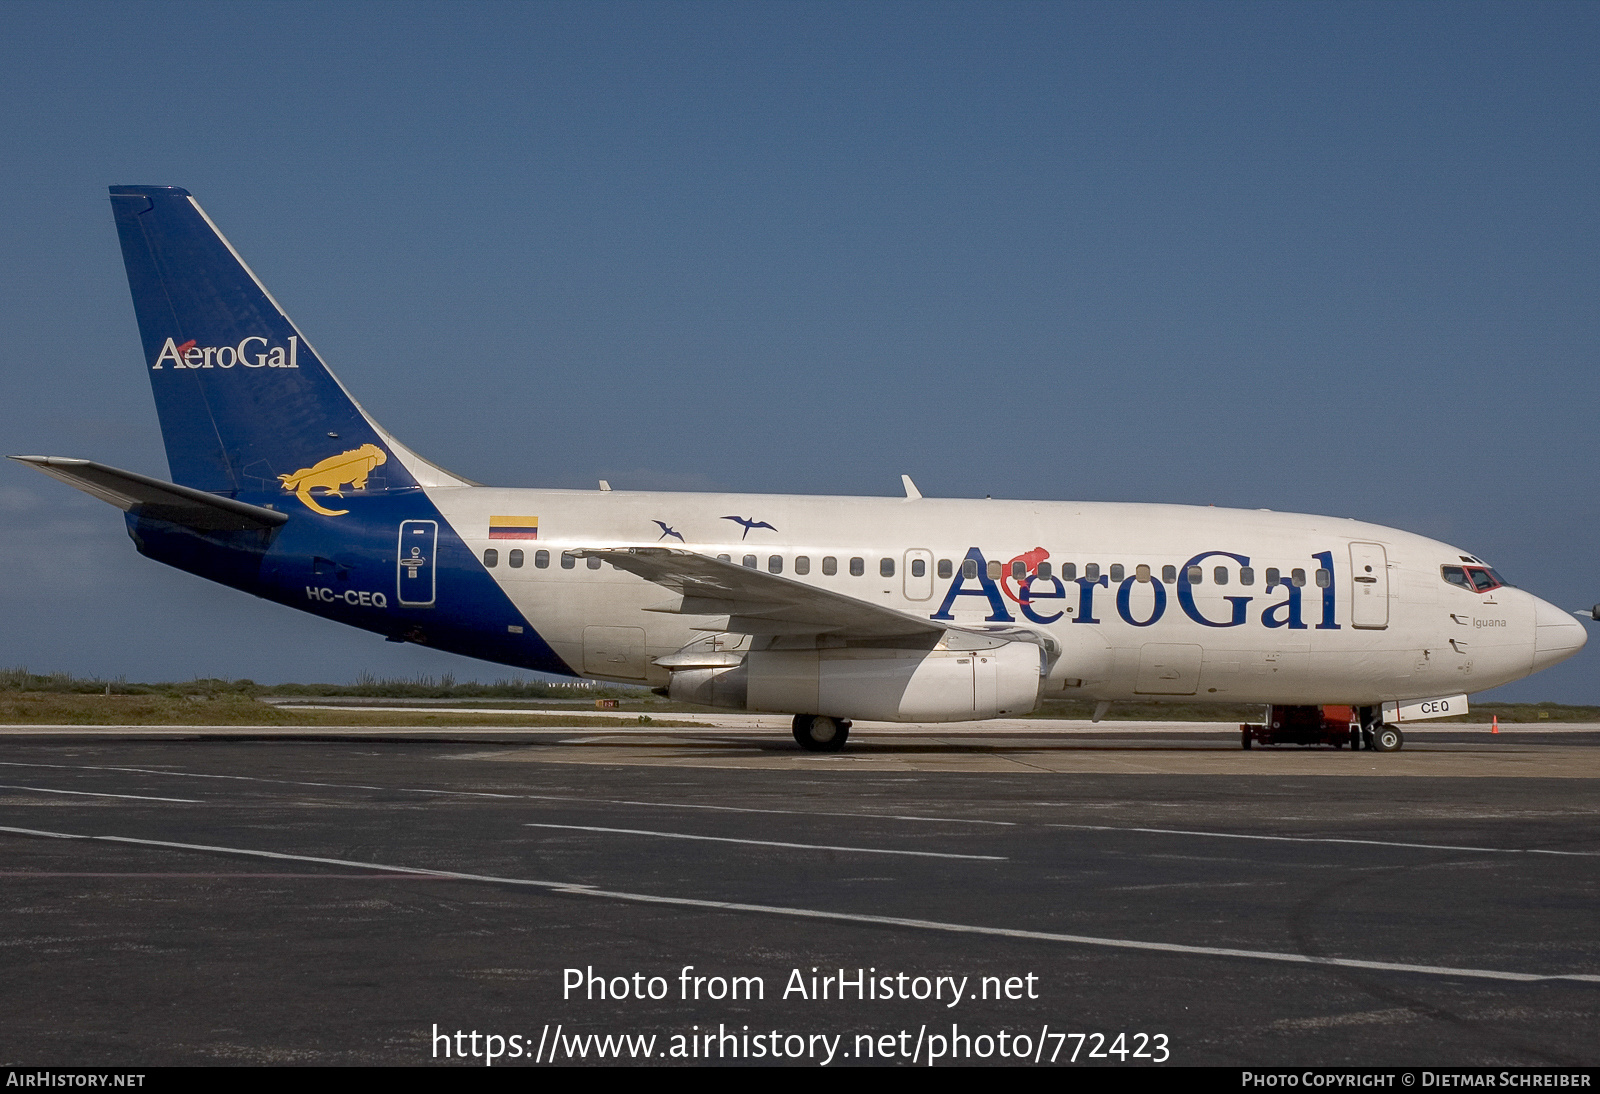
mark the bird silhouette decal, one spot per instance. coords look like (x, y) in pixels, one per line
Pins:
(749, 524)
(665, 532)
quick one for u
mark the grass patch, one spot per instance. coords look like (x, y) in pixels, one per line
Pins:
(366, 686)
(230, 709)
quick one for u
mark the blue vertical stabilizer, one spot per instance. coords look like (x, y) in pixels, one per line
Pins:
(246, 405)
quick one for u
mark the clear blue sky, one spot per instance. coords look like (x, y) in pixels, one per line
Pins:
(1330, 258)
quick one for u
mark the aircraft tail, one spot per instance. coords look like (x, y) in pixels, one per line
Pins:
(246, 405)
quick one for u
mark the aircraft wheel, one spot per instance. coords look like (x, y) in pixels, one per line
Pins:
(819, 733)
(1388, 738)
(1244, 739)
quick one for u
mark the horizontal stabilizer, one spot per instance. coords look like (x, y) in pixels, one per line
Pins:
(156, 499)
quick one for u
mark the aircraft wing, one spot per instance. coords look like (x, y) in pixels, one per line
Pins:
(128, 490)
(757, 602)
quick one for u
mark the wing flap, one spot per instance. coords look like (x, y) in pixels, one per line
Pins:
(757, 602)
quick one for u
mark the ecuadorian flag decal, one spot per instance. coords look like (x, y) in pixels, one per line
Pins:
(513, 527)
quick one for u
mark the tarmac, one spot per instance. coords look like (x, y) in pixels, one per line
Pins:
(197, 895)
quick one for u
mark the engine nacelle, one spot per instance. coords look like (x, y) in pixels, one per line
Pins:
(889, 685)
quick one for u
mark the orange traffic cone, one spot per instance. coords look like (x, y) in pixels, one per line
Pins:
(1495, 723)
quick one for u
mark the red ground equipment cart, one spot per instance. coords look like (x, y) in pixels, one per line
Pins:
(1336, 726)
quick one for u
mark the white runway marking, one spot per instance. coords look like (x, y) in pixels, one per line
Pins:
(748, 809)
(91, 794)
(854, 917)
(766, 842)
(1329, 839)
(509, 797)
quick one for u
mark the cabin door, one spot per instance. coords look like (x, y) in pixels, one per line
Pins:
(1369, 586)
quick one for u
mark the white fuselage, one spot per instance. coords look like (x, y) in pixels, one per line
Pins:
(1399, 632)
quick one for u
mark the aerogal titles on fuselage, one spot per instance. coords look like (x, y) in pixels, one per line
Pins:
(248, 353)
(1035, 595)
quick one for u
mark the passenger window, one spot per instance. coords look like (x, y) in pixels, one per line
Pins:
(969, 568)
(830, 565)
(541, 560)
(515, 558)
(994, 570)
(1043, 570)
(886, 567)
(919, 568)
(1299, 578)
(774, 564)
(1092, 571)
(1117, 573)
(1195, 575)
(1169, 574)
(1019, 570)
(594, 563)
(1324, 579)
(724, 558)
(1069, 571)
(1219, 574)
(945, 569)
(750, 561)
(491, 557)
(1142, 573)
(568, 560)
(857, 567)
(802, 564)
(1247, 575)
(1273, 577)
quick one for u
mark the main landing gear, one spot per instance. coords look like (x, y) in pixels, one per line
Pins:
(819, 733)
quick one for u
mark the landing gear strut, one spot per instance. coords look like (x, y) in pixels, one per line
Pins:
(819, 733)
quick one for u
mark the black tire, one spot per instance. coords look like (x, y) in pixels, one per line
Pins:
(1388, 738)
(1244, 738)
(819, 733)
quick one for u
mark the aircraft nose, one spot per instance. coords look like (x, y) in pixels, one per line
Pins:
(1558, 635)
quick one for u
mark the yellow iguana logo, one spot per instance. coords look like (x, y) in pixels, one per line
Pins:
(351, 467)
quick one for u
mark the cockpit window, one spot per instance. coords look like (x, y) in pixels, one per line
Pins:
(1479, 579)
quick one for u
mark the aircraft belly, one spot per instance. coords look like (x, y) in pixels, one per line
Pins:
(570, 614)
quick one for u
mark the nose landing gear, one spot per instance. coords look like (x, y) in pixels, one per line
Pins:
(1379, 736)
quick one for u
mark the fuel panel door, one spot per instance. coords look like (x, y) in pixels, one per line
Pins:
(414, 566)
(1168, 668)
(1369, 586)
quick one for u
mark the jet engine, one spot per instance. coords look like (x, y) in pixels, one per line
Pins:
(881, 684)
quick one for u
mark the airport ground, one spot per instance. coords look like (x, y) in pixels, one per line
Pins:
(341, 894)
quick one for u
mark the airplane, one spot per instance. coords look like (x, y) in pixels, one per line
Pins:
(908, 609)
